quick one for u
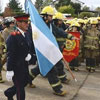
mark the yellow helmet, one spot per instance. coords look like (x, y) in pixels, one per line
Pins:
(80, 21)
(75, 19)
(98, 18)
(48, 10)
(75, 24)
(69, 22)
(93, 21)
(58, 15)
(86, 21)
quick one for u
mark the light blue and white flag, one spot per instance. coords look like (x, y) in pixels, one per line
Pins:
(46, 47)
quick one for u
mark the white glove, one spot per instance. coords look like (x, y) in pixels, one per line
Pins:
(28, 57)
(9, 75)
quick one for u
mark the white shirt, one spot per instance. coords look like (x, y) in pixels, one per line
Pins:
(21, 31)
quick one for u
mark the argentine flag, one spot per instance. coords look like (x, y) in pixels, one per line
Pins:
(46, 47)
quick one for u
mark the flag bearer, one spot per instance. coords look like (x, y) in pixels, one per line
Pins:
(47, 14)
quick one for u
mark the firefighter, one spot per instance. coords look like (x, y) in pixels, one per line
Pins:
(60, 35)
(2, 46)
(52, 75)
(9, 23)
(1, 27)
(91, 45)
(74, 64)
(82, 30)
(98, 18)
(58, 22)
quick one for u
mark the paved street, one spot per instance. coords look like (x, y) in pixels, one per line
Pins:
(87, 87)
(91, 88)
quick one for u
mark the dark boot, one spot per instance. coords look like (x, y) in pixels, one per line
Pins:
(92, 69)
(60, 93)
(88, 68)
(10, 99)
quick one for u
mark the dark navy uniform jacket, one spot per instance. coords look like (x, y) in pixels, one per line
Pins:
(17, 49)
(58, 33)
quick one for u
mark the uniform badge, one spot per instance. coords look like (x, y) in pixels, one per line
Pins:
(70, 45)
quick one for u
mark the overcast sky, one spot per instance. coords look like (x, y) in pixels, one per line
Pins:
(91, 3)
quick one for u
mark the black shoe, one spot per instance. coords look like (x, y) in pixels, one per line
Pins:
(10, 99)
(88, 68)
(92, 69)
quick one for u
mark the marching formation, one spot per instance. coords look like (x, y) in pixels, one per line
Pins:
(78, 40)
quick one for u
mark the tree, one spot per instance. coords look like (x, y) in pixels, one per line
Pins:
(39, 4)
(47, 2)
(86, 14)
(62, 3)
(85, 8)
(67, 9)
(8, 12)
(97, 9)
(15, 6)
(76, 6)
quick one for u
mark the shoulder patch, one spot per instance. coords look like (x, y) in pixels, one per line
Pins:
(15, 33)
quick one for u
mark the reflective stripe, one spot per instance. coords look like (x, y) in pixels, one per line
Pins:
(4, 50)
(61, 39)
(91, 37)
(33, 76)
(62, 76)
(57, 84)
(91, 47)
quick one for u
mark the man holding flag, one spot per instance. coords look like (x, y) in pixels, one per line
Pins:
(45, 47)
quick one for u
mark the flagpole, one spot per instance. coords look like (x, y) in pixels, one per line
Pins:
(69, 69)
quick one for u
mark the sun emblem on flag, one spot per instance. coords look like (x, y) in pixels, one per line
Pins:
(70, 45)
(35, 35)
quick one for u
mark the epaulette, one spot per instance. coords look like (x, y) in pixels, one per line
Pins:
(15, 33)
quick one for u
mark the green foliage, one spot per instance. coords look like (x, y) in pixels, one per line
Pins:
(39, 4)
(85, 8)
(86, 14)
(76, 6)
(62, 3)
(97, 9)
(15, 6)
(47, 2)
(67, 9)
